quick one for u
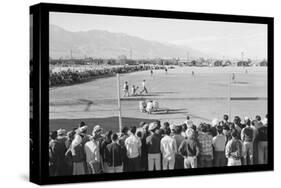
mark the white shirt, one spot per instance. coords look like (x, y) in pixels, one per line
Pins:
(168, 147)
(92, 151)
(219, 142)
(143, 84)
(133, 144)
(149, 106)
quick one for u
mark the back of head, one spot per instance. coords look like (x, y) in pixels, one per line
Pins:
(258, 118)
(114, 137)
(82, 124)
(225, 117)
(125, 130)
(219, 129)
(53, 135)
(184, 127)
(168, 131)
(247, 122)
(133, 129)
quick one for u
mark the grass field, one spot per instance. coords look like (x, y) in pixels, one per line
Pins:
(203, 96)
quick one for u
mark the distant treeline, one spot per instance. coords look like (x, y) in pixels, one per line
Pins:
(68, 77)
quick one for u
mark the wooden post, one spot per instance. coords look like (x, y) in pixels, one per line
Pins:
(229, 96)
(119, 103)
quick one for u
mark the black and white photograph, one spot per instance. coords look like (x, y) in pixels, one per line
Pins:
(132, 94)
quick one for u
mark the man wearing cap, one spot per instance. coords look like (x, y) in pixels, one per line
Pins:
(206, 147)
(168, 149)
(133, 148)
(92, 151)
(219, 143)
(153, 148)
(233, 150)
(189, 149)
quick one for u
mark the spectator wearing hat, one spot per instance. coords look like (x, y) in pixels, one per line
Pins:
(168, 147)
(61, 135)
(179, 163)
(68, 155)
(234, 150)
(78, 153)
(133, 148)
(247, 137)
(262, 143)
(219, 142)
(213, 129)
(123, 137)
(104, 143)
(57, 151)
(189, 149)
(153, 148)
(114, 156)
(206, 147)
(92, 150)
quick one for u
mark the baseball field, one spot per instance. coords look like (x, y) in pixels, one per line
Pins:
(203, 96)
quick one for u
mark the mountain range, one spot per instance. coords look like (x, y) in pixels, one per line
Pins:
(104, 44)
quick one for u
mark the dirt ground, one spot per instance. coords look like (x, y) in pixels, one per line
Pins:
(203, 96)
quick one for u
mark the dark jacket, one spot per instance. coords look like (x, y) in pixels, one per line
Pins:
(113, 154)
(153, 143)
(262, 134)
(248, 134)
(189, 148)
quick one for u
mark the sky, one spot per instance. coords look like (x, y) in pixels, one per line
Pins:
(220, 39)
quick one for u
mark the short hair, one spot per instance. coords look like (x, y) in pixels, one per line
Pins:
(114, 137)
(219, 129)
(247, 122)
(108, 134)
(225, 117)
(258, 117)
(167, 131)
(204, 128)
(178, 129)
(82, 124)
(237, 119)
(188, 117)
(133, 129)
(124, 130)
(53, 135)
(158, 124)
(139, 134)
(166, 124)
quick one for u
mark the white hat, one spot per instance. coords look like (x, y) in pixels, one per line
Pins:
(215, 122)
(152, 126)
(264, 121)
(96, 129)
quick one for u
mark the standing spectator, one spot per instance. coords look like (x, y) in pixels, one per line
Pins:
(57, 151)
(189, 149)
(103, 150)
(126, 89)
(184, 128)
(68, 155)
(78, 153)
(247, 137)
(179, 163)
(215, 123)
(219, 143)
(237, 125)
(122, 139)
(153, 148)
(61, 135)
(233, 150)
(168, 149)
(92, 151)
(206, 148)
(262, 143)
(114, 155)
(133, 147)
(144, 159)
